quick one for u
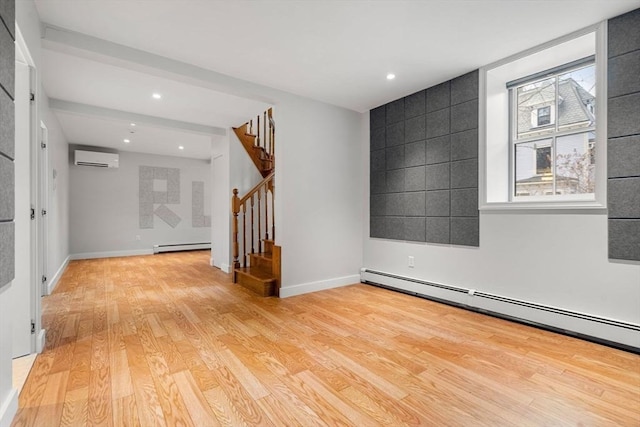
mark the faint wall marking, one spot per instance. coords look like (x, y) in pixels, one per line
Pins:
(160, 186)
(198, 218)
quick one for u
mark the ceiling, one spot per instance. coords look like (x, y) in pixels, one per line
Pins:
(217, 63)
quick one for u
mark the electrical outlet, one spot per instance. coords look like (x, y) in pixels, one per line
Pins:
(411, 262)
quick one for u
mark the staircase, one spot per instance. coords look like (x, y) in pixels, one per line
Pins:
(256, 258)
(260, 149)
(260, 277)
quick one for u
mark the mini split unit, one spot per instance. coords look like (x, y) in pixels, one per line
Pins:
(96, 159)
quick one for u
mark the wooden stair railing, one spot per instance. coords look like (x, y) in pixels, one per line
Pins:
(261, 149)
(254, 239)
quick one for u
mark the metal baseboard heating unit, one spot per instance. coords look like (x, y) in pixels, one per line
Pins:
(602, 330)
(181, 247)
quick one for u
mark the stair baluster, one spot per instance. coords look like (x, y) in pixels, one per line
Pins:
(252, 226)
(259, 221)
(244, 234)
(258, 134)
(266, 214)
(272, 134)
(273, 211)
(235, 206)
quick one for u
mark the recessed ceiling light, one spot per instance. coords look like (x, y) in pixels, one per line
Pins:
(156, 96)
(133, 124)
(126, 141)
(391, 76)
(180, 147)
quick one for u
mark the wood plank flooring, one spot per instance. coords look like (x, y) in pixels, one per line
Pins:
(20, 370)
(166, 340)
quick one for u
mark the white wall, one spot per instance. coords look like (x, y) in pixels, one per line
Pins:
(221, 203)
(8, 396)
(104, 207)
(554, 259)
(243, 174)
(318, 189)
(29, 23)
(58, 209)
(28, 20)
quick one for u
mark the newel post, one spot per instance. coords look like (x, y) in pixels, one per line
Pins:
(235, 207)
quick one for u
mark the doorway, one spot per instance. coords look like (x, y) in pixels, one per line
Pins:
(31, 196)
(22, 287)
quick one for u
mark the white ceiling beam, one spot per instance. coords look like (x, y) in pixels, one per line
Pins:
(82, 45)
(91, 110)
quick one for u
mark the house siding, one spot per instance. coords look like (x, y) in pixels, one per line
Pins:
(424, 167)
(623, 147)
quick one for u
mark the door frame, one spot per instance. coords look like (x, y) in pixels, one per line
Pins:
(38, 337)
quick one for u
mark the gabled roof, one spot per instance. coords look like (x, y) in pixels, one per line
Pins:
(572, 105)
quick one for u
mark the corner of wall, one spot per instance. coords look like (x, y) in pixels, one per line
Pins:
(9, 408)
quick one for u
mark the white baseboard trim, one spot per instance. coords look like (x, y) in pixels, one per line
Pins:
(226, 268)
(41, 340)
(583, 325)
(111, 254)
(51, 284)
(9, 408)
(321, 285)
(211, 262)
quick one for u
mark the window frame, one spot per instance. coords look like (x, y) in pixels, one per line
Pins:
(494, 157)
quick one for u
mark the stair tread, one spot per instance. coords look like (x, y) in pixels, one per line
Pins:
(267, 255)
(256, 273)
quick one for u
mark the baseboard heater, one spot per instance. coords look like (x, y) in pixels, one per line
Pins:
(181, 247)
(601, 330)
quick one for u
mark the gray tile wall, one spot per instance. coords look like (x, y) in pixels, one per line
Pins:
(623, 128)
(424, 167)
(7, 123)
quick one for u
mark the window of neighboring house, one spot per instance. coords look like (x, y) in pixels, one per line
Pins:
(539, 139)
(543, 160)
(553, 130)
(543, 116)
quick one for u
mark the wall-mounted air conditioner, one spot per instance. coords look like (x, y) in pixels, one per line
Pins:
(96, 159)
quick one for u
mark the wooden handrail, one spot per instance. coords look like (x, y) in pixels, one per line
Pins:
(255, 188)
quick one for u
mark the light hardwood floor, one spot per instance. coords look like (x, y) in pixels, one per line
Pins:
(167, 340)
(21, 367)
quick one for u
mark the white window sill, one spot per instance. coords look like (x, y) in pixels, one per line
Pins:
(557, 206)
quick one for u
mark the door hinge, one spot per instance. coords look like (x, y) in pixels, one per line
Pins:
(32, 97)
(33, 214)
(43, 145)
(33, 327)
(44, 279)
(44, 212)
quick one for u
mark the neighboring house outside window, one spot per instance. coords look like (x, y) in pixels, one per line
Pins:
(553, 126)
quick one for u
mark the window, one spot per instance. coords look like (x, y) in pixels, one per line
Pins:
(553, 126)
(544, 116)
(540, 144)
(543, 160)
